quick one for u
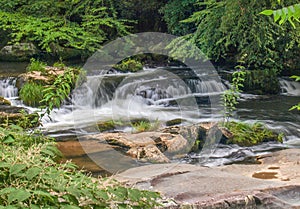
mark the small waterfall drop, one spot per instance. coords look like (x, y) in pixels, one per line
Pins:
(8, 87)
(290, 87)
(155, 94)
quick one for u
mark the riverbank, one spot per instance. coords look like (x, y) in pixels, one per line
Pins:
(273, 183)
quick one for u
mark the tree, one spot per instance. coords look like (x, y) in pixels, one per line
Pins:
(227, 30)
(175, 11)
(291, 14)
(53, 25)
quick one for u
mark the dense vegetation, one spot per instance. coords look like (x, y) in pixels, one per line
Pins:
(30, 177)
(226, 31)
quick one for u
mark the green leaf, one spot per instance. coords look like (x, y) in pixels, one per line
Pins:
(267, 12)
(4, 165)
(9, 139)
(19, 194)
(16, 169)
(7, 190)
(32, 172)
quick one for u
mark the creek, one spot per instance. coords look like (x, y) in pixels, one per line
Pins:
(163, 94)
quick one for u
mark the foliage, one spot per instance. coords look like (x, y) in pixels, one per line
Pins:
(59, 90)
(261, 81)
(36, 65)
(30, 178)
(32, 94)
(129, 65)
(143, 15)
(53, 25)
(230, 97)
(175, 11)
(15, 136)
(22, 119)
(251, 134)
(297, 106)
(230, 29)
(290, 13)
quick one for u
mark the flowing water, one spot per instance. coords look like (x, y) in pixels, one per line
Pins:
(164, 94)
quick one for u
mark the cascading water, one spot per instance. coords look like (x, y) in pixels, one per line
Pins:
(155, 94)
(8, 87)
(290, 87)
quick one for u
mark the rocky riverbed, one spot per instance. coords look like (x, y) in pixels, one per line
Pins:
(274, 183)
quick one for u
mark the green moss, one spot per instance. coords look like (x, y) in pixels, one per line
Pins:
(251, 134)
(142, 125)
(106, 126)
(129, 65)
(22, 119)
(31, 94)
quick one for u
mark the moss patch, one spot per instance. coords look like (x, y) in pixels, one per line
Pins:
(129, 65)
(245, 134)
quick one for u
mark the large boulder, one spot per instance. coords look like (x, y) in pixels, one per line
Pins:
(18, 52)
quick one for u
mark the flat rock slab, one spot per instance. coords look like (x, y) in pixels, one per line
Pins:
(191, 186)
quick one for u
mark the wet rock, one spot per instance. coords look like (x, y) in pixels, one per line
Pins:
(4, 102)
(173, 122)
(145, 146)
(23, 120)
(45, 76)
(149, 153)
(106, 126)
(18, 52)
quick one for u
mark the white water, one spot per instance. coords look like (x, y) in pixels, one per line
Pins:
(289, 87)
(150, 94)
(8, 88)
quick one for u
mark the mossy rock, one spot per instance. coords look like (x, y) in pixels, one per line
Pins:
(21, 119)
(244, 134)
(129, 65)
(174, 122)
(4, 101)
(106, 126)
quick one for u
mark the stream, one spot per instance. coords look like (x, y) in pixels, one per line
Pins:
(163, 94)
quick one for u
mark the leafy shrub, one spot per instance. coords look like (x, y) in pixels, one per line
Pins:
(230, 97)
(32, 94)
(129, 65)
(251, 134)
(55, 94)
(56, 25)
(30, 178)
(36, 65)
(262, 81)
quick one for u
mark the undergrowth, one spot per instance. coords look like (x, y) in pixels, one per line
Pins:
(30, 177)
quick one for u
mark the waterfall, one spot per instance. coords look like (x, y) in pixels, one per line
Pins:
(8, 87)
(290, 87)
(155, 87)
